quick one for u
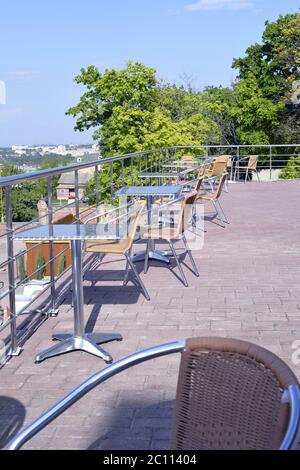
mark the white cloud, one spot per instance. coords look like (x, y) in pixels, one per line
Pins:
(219, 4)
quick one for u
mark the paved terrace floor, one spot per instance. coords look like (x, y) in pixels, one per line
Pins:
(248, 288)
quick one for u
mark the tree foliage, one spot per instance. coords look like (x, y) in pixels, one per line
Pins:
(292, 169)
(132, 110)
(267, 84)
(25, 196)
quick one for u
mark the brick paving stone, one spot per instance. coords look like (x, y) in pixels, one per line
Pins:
(248, 288)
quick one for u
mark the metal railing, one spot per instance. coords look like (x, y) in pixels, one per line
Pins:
(110, 174)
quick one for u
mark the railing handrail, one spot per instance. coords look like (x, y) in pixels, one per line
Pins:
(234, 146)
(15, 179)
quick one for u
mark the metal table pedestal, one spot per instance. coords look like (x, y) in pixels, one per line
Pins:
(79, 340)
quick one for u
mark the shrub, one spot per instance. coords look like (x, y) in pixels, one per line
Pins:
(21, 268)
(292, 169)
(40, 266)
(62, 264)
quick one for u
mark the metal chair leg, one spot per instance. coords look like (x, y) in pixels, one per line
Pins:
(125, 281)
(183, 278)
(147, 257)
(190, 255)
(235, 172)
(226, 187)
(246, 176)
(145, 292)
(257, 176)
(218, 213)
(223, 212)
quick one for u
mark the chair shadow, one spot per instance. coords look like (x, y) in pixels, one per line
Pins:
(12, 415)
(213, 218)
(127, 428)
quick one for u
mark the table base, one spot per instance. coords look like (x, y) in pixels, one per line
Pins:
(155, 255)
(88, 343)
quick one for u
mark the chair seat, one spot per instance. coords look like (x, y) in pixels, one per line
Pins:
(107, 246)
(155, 233)
(207, 197)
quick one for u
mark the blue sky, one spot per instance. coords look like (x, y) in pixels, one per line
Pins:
(44, 44)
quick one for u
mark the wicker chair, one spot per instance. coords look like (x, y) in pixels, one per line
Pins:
(231, 395)
(121, 247)
(248, 169)
(219, 166)
(188, 158)
(214, 197)
(171, 235)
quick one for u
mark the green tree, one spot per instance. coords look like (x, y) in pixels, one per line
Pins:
(24, 199)
(6, 170)
(257, 117)
(274, 63)
(218, 104)
(131, 110)
(116, 102)
(179, 102)
(271, 70)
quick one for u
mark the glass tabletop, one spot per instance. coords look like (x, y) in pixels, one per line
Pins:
(64, 232)
(167, 190)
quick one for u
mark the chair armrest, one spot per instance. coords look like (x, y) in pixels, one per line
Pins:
(293, 398)
(88, 385)
(110, 211)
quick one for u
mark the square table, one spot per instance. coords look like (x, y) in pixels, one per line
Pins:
(78, 340)
(149, 192)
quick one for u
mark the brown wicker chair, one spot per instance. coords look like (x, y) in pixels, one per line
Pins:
(214, 197)
(171, 235)
(123, 246)
(219, 166)
(249, 168)
(231, 395)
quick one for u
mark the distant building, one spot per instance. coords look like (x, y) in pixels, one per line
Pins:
(66, 184)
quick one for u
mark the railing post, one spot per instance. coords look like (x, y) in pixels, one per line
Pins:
(131, 169)
(122, 163)
(111, 179)
(53, 310)
(271, 161)
(97, 185)
(14, 348)
(77, 209)
(238, 161)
